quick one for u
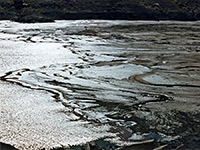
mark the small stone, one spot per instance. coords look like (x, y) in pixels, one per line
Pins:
(159, 128)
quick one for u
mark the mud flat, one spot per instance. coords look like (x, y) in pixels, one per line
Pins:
(32, 119)
(96, 84)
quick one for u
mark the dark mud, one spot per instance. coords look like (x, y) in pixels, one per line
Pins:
(50, 10)
(142, 78)
(6, 147)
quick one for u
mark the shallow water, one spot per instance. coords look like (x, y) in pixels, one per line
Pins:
(114, 73)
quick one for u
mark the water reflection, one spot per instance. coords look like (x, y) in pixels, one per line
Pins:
(117, 71)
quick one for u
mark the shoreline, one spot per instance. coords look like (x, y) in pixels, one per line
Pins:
(149, 16)
(144, 111)
(27, 11)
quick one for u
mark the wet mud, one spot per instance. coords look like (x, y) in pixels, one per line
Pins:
(139, 77)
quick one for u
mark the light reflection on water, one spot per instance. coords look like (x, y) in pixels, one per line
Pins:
(107, 70)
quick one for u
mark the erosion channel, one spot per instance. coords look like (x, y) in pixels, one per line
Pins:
(97, 84)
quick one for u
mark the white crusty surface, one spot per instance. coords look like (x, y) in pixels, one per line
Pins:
(33, 120)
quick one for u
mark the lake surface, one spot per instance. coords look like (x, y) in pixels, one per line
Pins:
(71, 82)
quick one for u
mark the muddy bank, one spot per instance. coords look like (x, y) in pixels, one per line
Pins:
(6, 147)
(50, 10)
(138, 78)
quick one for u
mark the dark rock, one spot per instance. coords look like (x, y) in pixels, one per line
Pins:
(6, 147)
(32, 19)
(100, 144)
(18, 4)
(154, 136)
(197, 16)
(182, 16)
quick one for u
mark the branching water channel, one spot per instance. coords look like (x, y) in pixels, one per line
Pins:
(138, 77)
